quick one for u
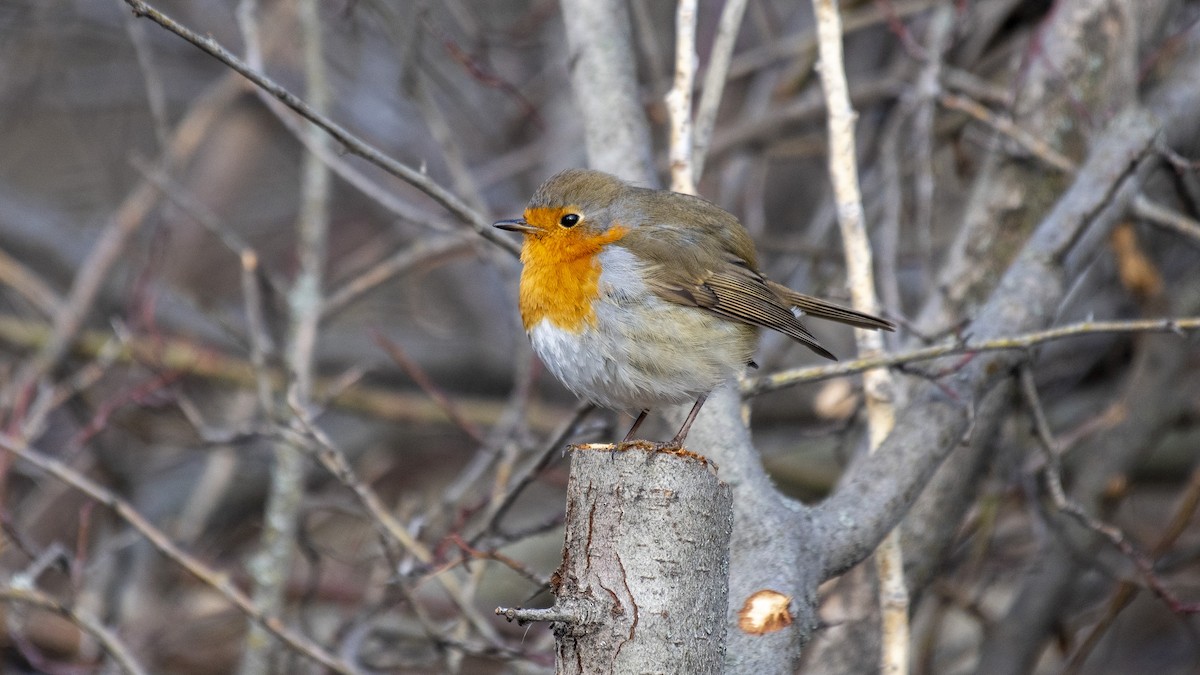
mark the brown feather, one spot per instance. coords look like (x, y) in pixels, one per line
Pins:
(737, 293)
(751, 301)
(823, 309)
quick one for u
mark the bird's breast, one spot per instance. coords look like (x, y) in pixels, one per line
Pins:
(636, 350)
(561, 280)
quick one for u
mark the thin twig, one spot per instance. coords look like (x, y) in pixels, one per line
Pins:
(352, 143)
(1053, 478)
(21, 279)
(1185, 511)
(261, 345)
(426, 383)
(470, 552)
(271, 566)
(866, 16)
(436, 122)
(187, 357)
(788, 378)
(878, 385)
(179, 195)
(897, 28)
(218, 581)
(891, 206)
(434, 630)
(155, 93)
(714, 81)
(353, 175)
(108, 639)
(533, 469)
(941, 26)
(767, 125)
(422, 250)
(334, 461)
(1153, 212)
(524, 616)
(247, 21)
(979, 89)
(1180, 163)
(1037, 146)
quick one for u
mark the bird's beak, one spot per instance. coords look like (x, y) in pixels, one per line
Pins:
(515, 225)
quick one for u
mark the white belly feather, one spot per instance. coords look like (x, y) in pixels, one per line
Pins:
(643, 352)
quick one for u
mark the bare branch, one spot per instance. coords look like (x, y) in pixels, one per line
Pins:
(414, 371)
(1037, 146)
(334, 461)
(1125, 592)
(941, 25)
(218, 581)
(107, 638)
(532, 615)
(271, 566)
(881, 413)
(1115, 537)
(155, 94)
(788, 378)
(714, 81)
(1156, 213)
(188, 357)
(1025, 299)
(352, 143)
(679, 99)
(24, 281)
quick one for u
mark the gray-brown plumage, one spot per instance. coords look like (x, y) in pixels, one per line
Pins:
(637, 298)
(700, 255)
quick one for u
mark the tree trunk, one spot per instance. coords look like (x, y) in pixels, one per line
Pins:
(645, 564)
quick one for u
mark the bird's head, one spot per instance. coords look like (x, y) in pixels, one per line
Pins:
(571, 210)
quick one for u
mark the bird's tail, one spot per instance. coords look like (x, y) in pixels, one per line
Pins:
(827, 310)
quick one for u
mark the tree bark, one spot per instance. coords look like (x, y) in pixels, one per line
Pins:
(645, 564)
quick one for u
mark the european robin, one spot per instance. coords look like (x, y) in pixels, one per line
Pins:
(636, 298)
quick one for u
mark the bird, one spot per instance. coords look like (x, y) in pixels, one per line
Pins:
(635, 298)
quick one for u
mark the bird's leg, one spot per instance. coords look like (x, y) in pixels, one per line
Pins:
(636, 423)
(677, 442)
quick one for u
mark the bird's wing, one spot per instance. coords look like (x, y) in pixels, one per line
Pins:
(736, 292)
(709, 262)
(823, 309)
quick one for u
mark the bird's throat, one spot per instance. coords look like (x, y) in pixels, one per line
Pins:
(561, 278)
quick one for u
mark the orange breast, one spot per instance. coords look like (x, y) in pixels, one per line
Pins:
(561, 278)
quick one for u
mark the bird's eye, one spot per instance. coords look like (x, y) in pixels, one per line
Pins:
(569, 220)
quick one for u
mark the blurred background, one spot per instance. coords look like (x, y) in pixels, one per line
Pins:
(150, 204)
